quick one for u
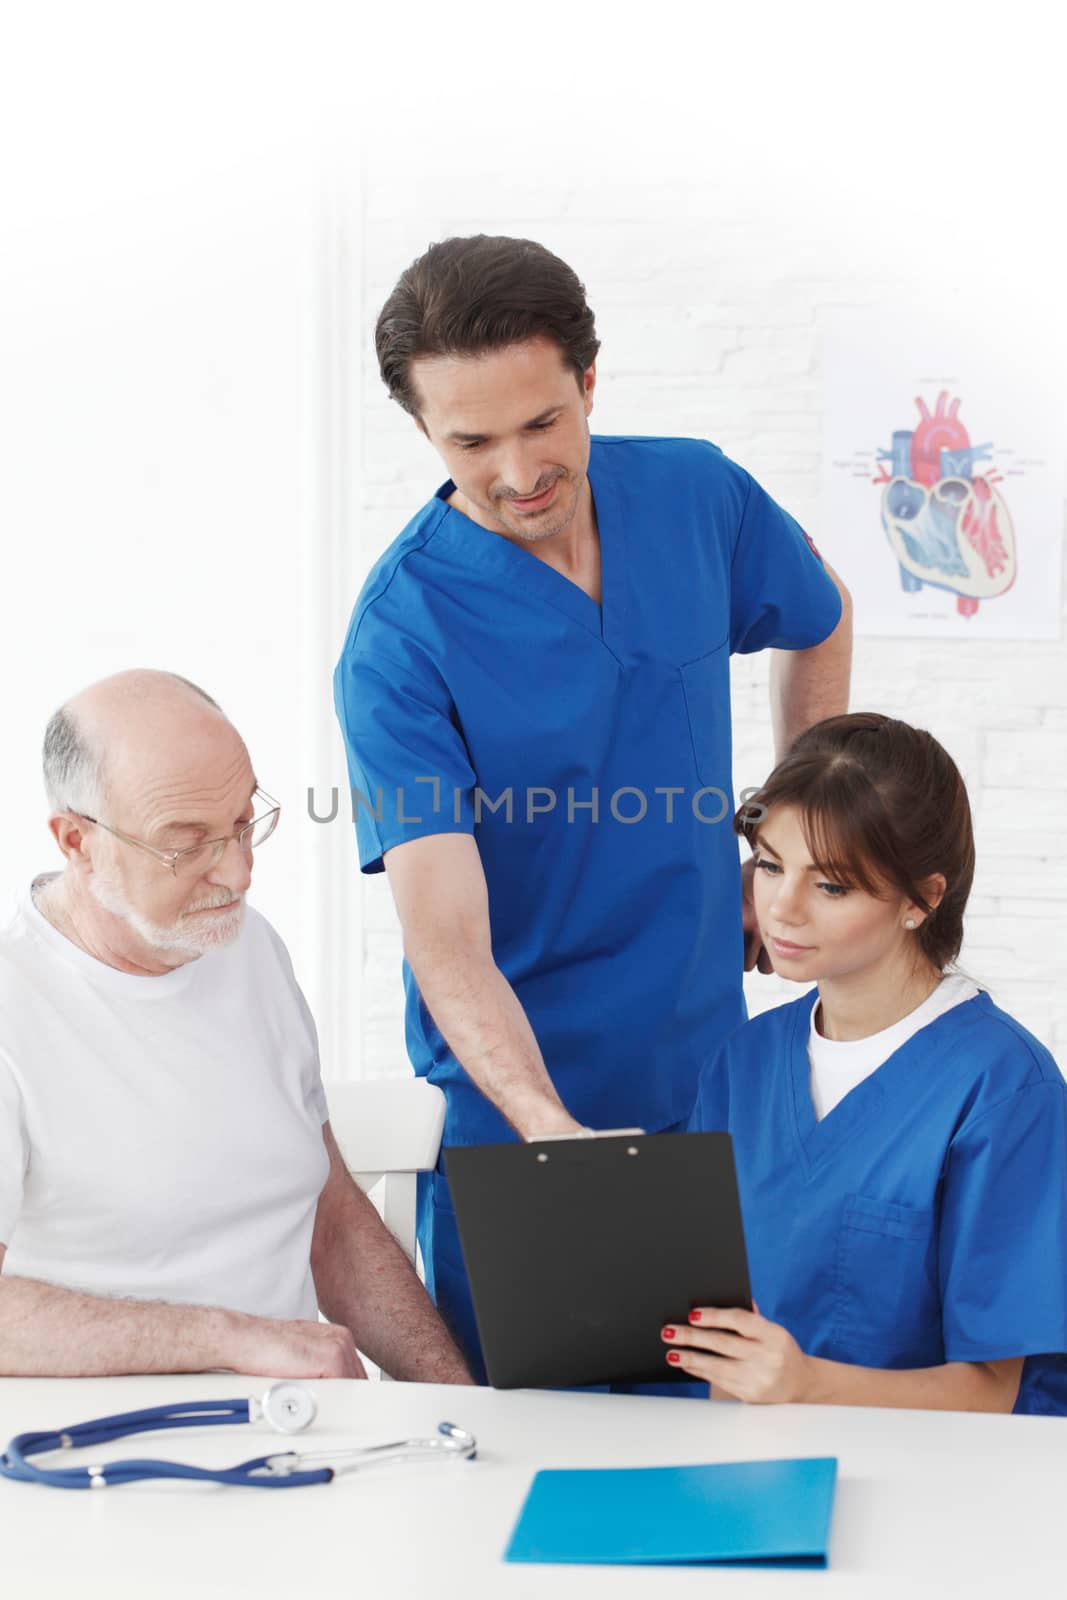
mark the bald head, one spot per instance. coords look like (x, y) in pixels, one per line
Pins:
(143, 769)
(115, 724)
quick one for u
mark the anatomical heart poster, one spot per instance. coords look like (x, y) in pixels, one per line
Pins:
(943, 479)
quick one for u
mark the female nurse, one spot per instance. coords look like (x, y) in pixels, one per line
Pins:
(900, 1141)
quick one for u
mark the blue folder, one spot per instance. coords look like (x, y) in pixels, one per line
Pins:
(746, 1511)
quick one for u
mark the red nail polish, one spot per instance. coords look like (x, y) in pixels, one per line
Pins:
(694, 1316)
(673, 1356)
(668, 1333)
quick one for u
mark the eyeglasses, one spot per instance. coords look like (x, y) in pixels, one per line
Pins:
(198, 858)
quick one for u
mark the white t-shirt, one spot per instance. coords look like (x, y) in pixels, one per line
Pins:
(838, 1065)
(160, 1137)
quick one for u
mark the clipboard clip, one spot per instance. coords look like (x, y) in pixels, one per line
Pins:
(584, 1133)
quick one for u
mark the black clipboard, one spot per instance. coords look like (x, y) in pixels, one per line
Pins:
(579, 1250)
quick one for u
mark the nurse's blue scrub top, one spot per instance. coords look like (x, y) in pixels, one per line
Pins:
(924, 1219)
(587, 748)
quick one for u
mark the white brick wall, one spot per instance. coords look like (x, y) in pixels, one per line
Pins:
(709, 326)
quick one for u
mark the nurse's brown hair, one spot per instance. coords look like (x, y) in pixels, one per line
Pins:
(883, 808)
(467, 296)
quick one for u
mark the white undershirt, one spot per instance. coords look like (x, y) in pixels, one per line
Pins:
(838, 1065)
(160, 1137)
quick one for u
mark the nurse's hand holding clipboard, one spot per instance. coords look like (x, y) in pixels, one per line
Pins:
(745, 1357)
(742, 1354)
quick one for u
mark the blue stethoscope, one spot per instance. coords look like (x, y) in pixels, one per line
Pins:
(288, 1407)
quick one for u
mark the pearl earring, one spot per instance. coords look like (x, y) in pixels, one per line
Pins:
(910, 923)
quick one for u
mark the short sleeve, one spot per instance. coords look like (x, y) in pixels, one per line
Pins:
(312, 1091)
(14, 1153)
(781, 596)
(408, 766)
(1004, 1230)
(311, 1076)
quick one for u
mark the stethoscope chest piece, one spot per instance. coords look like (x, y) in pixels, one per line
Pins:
(288, 1407)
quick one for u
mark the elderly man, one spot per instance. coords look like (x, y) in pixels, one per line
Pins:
(171, 1196)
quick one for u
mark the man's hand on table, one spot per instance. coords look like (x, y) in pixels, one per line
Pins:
(282, 1349)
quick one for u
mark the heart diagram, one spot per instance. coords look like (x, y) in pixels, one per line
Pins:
(948, 525)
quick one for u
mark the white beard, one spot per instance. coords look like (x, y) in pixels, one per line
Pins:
(191, 935)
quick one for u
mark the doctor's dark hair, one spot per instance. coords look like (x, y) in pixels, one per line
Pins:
(467, 296)
(883, 808)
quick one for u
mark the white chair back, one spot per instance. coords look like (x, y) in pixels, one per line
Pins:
(389, 1129)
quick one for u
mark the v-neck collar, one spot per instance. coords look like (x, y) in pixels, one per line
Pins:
(492, 552)
(818, 1141)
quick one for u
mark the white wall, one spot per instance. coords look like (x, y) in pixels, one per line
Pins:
(199, 464)
(708, 305)
(173, 309)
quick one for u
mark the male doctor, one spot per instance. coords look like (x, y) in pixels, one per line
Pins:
(534, 694)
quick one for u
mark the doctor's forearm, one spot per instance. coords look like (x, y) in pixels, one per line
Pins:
(808, 685)
(487, 1030)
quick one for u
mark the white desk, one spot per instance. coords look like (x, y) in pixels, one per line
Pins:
(927, 1503)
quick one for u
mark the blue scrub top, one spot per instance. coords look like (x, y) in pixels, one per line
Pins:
(924, 1219)
(587, 748)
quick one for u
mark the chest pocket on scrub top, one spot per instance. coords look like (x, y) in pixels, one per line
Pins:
(887, 1297)
(706, 683)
